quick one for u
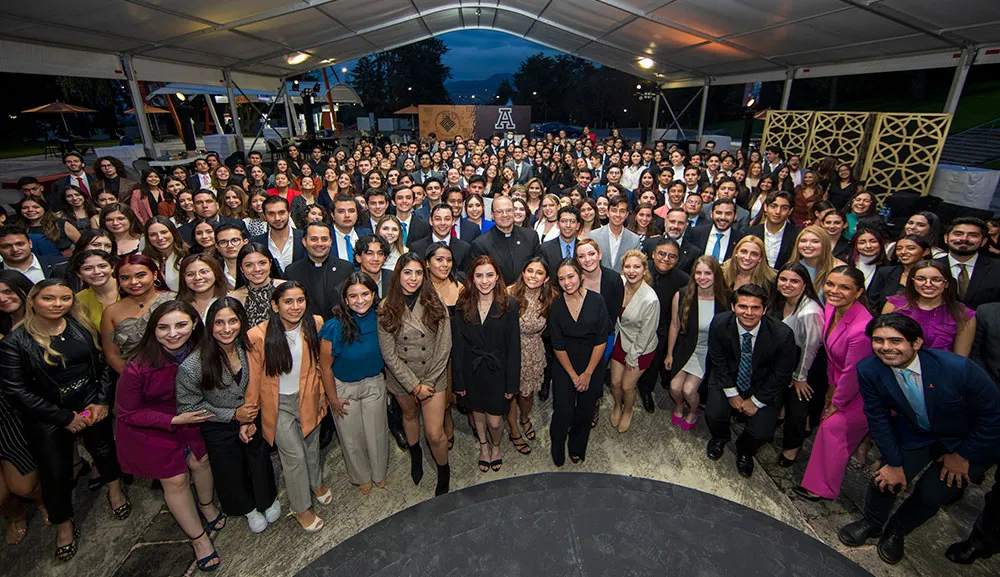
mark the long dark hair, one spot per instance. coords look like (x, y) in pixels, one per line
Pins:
(179, 247)
(350, 331)
(858, 278)
(392, 307)
(254, 248)
(213, 359)
(880, 258)
(690, 297)
(277, 354)
(958, 311)
(546, 293)
(48, 223)
(776, 306)
(468, 300)
(149, 351)
(21, 285)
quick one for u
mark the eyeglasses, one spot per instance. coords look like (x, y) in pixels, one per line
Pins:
(666, 255)
(229, 242)
(934, 280)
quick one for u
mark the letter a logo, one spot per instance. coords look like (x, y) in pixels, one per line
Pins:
(505, 121)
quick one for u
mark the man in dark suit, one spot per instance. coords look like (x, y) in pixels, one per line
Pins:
(976, 276)
(675, 228)
(776, 231)
(320, 272)
(774, 159)
(523, 172)
(510, 246)
(206, 205)
(750, 367)
(717, 237)
(284, 242)
(425, 172)
(925, 408)
(413, 228)
(563, 246)
(76, 177)
(411, 153)
(441, 229)
(370, 253)
(463, 228)
(668, 278)
(15, 248)
(345, 230)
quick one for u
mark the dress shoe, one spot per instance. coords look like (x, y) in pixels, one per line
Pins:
(400, 437)
(807, 495)
(715, 449)
(890, 547)
(744, 465)
(857, 533)
(967, 552)
(647, 401)
(784, 461)
(543, 393)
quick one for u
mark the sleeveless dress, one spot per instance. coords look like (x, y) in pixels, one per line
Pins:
(129, 331)
(699, 358)
(532, 348)
(939, 327)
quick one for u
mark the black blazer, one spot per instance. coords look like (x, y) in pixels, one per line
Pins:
(417, 229)
(986, 346)
(460, 251)
(335, 249)
(187, 229)
(613, 291)
(298, 249)
(788, 237)
(55, 196)
(773, 362)
(963, 405)
(885, 283)
(689, 253)
(984, 283)
(666, 286)
(687, 340)
(510, 254)
(320, 282)
(468, 230)
(552, 253)
(698, 236)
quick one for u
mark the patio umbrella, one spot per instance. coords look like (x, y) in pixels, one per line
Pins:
(149, 110)
(411, 111)
(60, 108)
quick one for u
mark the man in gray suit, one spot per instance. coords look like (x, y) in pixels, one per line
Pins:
(726, 188)
(522, 168)
(615, 240)
(426, 171)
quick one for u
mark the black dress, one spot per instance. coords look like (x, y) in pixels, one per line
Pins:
(486, 359)
(573, 410)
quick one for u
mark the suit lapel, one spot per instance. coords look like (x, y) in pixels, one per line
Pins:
(931, 373)
(842, 326)
(889, 378)
(976, 279)
(735, 331)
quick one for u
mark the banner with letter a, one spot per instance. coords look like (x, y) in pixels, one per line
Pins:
(448, 121)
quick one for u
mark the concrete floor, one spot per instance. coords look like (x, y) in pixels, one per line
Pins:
(150, 544)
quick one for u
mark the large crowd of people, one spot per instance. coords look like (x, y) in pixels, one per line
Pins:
(185, 325)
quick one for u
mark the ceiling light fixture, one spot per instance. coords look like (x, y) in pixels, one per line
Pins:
(180, 96)
(646, 63)
(297, 58)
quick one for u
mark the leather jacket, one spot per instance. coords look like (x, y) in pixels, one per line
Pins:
(26, 382)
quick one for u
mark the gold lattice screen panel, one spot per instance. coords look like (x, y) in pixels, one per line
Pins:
(839, 134)
(904, 152)
(788, 129)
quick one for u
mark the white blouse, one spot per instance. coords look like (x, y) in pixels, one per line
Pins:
(806, 322)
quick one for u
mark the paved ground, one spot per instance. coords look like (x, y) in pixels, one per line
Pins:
(150, 543)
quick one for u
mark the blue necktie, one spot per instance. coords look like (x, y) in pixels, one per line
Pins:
(567, 251)
(746, 360)
(406, 232)
(915, 396)
(717, 249)
(350, 249)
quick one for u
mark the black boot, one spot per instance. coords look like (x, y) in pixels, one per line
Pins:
(444, 480)
(416, 463)
(543, 393)
(395, 418)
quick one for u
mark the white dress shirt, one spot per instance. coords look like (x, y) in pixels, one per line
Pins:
(614, 242)
(283, 255)
(34, 272)
(772, 244)
(740, 331)
(341, 244)
(955, 267)
(723, 243)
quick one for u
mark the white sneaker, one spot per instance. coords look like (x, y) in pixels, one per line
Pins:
(256, 521)
(273, 512)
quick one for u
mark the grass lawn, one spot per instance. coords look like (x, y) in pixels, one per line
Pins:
(17, 149)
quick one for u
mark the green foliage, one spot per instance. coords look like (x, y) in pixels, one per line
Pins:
(397, 78)
(505, 93)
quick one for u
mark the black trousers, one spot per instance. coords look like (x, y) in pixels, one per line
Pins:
(987, 527)
(244, 476)
(758, 431)
(927, 497)
(798, 412)
(52, 446)
(572, 412)
(647, 382)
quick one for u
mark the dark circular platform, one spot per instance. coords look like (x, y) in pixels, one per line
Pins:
(556, 524)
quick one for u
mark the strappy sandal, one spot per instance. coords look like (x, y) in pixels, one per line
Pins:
(522, 447)
(498, 463)
(203, 563)
(529, 430)
(122, 512)
(451, 442)
(16, 534)
(67, 552)
(484, 466)
(217, 524)
(313, 527)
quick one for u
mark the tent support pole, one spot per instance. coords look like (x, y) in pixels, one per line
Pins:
(240, 145)
(140, 107)
(656, 114)
(786, 92)
(213, 112)
(958, 81)
(704, 109)
(267, 117)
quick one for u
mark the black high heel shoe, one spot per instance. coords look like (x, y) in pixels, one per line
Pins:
(217, 524)
(484, 466)
(122, 512)
(203, 563)
(497, 464)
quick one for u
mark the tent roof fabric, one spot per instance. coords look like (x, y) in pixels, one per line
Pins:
(687, 40)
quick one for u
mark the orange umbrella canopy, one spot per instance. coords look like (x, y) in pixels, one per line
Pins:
(58, 108)
(408, 110)
(149, 110)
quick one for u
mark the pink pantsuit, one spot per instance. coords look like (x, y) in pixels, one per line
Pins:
(841, 433)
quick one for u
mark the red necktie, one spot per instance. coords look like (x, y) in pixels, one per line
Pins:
(453, 233)
(83, 185)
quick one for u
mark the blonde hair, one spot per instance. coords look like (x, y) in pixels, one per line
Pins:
(762, 274)
(648, 278)
(826, 261)
(49, 354)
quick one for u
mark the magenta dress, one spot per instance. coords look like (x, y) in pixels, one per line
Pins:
(148, 445)
(939, 328)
